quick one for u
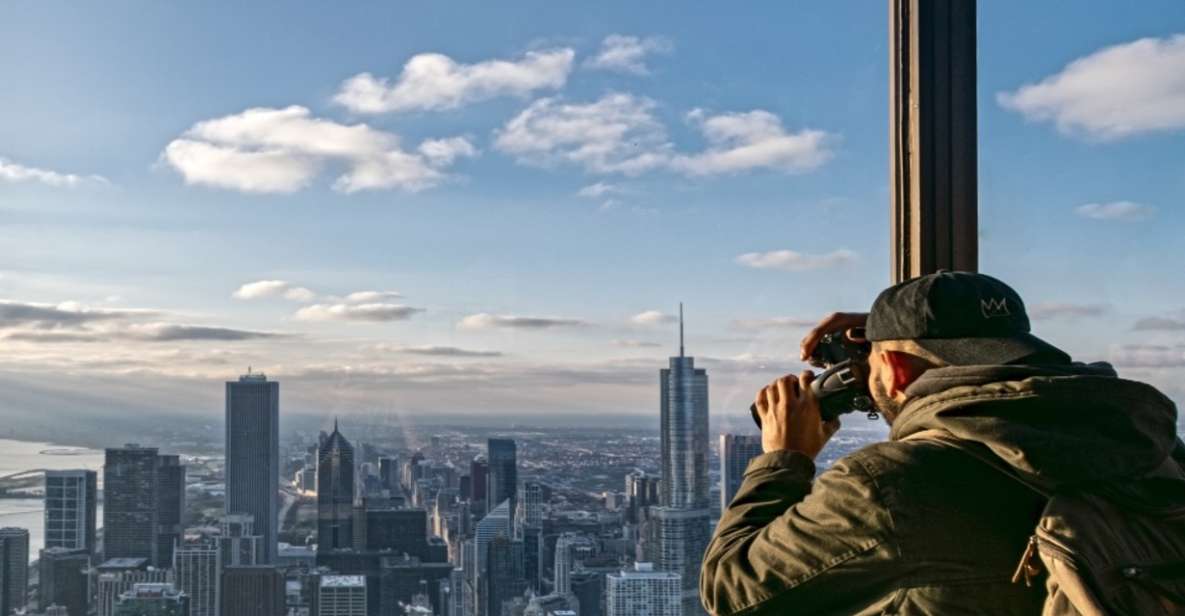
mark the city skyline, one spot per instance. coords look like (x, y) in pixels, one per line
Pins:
(442, 251)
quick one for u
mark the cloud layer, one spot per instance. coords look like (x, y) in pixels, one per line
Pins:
(373, 312)
(1116, 92)
(1115, 210)
(507, 321)
(619, 133)
(268, 150)
(15, 172)
(652, 318)
(273, 288)
(753, 140)
(793, 261)
(432, 81)
(627, 54)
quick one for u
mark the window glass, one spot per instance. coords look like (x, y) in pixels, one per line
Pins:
(1082, 176)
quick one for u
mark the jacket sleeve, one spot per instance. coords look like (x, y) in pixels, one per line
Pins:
(785, 547)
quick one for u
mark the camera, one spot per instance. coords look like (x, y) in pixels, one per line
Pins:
(842, 386)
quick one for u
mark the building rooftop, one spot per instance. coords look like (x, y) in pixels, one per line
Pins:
(343, 581)
(124, 563)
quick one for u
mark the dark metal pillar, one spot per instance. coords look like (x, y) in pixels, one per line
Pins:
(932, 137)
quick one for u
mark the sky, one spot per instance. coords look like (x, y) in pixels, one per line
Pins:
(462, 208)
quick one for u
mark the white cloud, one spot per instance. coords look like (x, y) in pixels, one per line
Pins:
(653, 317)
(627, 54)
(619, 133)
(432, 81)
(636, 344)
(16, 172)
(273, 288)
(438, 351)
(599, 189)
(1163, 324)
(1115, 210)
(267, 150)
(1116, 92)
(505, 321)
(774, 323)
(791, 261)
(752, 140)
(616, 134)
(370, 297)
(375, 312)
(1062, 310)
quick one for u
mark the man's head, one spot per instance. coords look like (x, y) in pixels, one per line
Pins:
(946, 319)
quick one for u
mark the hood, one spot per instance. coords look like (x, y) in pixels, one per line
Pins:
(1056, 426)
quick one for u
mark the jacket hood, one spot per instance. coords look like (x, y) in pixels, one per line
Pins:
(1056, 426)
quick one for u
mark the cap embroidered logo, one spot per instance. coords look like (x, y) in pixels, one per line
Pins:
(992, 308)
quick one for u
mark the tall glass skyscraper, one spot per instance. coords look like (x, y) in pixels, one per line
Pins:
(736, 450)
(684, 431)
(131, 506)
(71, 499)
(253, 455)
(680, 529)
(502, 456)
(335, 493)
(14, 569)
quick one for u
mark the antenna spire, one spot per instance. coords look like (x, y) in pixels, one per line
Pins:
(335, 423)
(680, 329)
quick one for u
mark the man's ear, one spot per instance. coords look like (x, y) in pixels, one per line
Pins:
(905, 369)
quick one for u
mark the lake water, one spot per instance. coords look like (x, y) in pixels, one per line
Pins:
(19, 456)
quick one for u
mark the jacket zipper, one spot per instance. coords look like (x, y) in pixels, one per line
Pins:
(1029, 566)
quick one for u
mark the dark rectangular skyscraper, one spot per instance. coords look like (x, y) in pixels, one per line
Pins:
(70, 509)
(735, 452)
(252, 591)
(170, 478)
(14, 569)
(253, 454)
(62, 579)
(130, 503)
(502, 456)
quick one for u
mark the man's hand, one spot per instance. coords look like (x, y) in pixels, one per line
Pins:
(834, 322)
(790, 417)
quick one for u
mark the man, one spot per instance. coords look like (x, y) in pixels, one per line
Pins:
(918, 525)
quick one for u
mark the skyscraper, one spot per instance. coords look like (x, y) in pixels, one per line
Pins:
(335, 493)
(119, 575)
(479, 470)
(253, 454)
(735, 452)
(199, 575)
(504, 576)
(502, 455)
(238, 543)
(340, 595)
(495, 524)
(684, 431)
(152, 600)
(130, 503)
(570, 548)
(681, 524)
(14, 569)
(256, 590)
(62, 579)
(170, 494)
(71, 498)
(643, 591)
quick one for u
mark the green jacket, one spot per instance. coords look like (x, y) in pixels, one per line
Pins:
(917, 526)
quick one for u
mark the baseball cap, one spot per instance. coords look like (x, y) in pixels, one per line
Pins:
(964, 318)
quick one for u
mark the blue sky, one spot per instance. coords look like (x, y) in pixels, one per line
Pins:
(518, 215)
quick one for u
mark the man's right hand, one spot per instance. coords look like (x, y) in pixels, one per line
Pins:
(834, 322)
